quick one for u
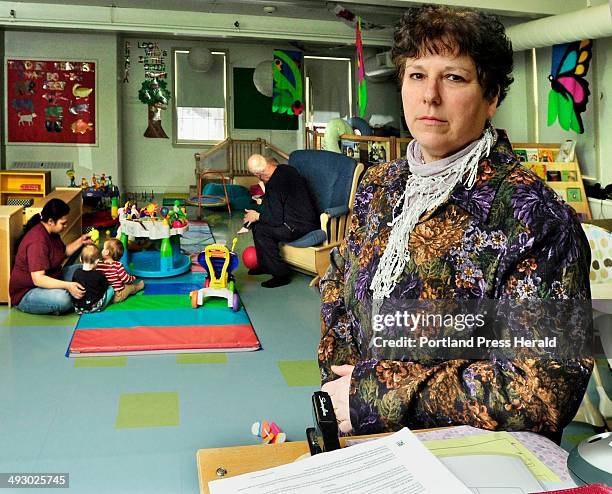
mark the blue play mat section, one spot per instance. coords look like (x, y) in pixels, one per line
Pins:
(146, 264)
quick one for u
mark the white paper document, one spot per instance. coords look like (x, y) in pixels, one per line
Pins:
(395, 464)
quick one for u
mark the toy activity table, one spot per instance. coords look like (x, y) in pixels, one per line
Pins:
(168, 261)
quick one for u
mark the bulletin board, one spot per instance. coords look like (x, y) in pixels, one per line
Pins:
(51, 101)
(253, 110)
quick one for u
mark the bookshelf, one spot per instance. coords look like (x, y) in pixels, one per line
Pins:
(24, 184)
(563, 177)
(11, 225)
(71, 196)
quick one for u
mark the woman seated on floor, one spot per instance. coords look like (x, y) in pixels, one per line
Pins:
(40, 284)
(457, 219)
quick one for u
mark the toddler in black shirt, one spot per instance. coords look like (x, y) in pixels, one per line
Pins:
(98, 293)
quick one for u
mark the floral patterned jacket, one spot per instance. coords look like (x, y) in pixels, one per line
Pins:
(508, 237)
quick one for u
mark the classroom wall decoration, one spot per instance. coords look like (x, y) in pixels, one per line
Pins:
(569, 92)
(154, 94)
(287, 88)
(252, 109)
(126, 62)
(153, 60)
(51, 101)
(362, 91)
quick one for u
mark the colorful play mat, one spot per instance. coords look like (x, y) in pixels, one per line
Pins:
(162, 321)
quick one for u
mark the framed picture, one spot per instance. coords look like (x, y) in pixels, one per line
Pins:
(521, 154)
(350, 149)
(378, 152)
(50, 102)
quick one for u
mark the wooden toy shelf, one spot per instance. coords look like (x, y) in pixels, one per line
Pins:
(72, 197)
(24, 184)
(11, 225)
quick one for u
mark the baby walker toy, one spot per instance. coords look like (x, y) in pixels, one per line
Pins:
(219, 263)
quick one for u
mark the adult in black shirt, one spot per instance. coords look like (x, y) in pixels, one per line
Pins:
(289, 212)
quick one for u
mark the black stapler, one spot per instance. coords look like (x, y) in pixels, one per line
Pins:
(324, 435)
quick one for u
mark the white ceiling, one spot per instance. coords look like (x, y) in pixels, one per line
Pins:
(384, 12)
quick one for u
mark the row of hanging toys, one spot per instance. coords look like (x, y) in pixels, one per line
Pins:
(154, 93)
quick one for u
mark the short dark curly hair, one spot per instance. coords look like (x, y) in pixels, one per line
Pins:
(441, 29)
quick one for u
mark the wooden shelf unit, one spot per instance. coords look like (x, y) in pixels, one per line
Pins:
(11, 226)
(11, 182)
(564, 178)
(395, 145)
(71, 196)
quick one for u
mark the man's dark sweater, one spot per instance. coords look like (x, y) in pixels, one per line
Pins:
(288, 202)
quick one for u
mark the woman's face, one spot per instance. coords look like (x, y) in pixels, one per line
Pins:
(444, 104)
(58, 226)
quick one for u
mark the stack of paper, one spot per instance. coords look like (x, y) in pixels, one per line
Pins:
(398, 463)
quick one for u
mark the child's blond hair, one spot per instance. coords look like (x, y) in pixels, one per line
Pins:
(90, 254)
(113, 248)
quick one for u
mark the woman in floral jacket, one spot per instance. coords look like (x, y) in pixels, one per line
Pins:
(459, 218)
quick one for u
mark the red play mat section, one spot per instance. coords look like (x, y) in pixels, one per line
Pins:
(160, 339)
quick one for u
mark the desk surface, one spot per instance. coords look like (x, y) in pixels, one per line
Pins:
(237, 460)
(244, 459)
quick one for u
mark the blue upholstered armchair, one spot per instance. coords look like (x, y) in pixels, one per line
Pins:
(333, 179)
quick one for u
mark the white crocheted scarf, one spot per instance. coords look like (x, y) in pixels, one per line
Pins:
(428, 186)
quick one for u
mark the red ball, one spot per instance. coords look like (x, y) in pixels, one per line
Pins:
(249, 258)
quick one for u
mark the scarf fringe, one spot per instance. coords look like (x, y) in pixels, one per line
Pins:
(424, 194)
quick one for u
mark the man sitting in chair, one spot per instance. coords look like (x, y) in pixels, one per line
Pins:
(289, 212)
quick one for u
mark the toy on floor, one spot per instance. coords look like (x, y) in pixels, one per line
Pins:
(249, 258)
(219, 263)
(269, 432)
(149, 224)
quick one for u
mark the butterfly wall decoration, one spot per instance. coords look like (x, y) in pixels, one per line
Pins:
(569, 93)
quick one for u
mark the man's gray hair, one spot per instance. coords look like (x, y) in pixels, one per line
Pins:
(271, 160)
(258, 163)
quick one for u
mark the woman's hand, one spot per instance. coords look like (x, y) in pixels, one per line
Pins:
(77, 243)
(251, 216)
(338, 391)
(86, 239)
(75, 289)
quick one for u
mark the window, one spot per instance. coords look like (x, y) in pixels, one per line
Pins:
(200, 100)
(328, 89)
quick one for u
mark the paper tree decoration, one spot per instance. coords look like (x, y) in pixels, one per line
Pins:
(154, 94)
(287, 88)
(361, 81)
(569, 92)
